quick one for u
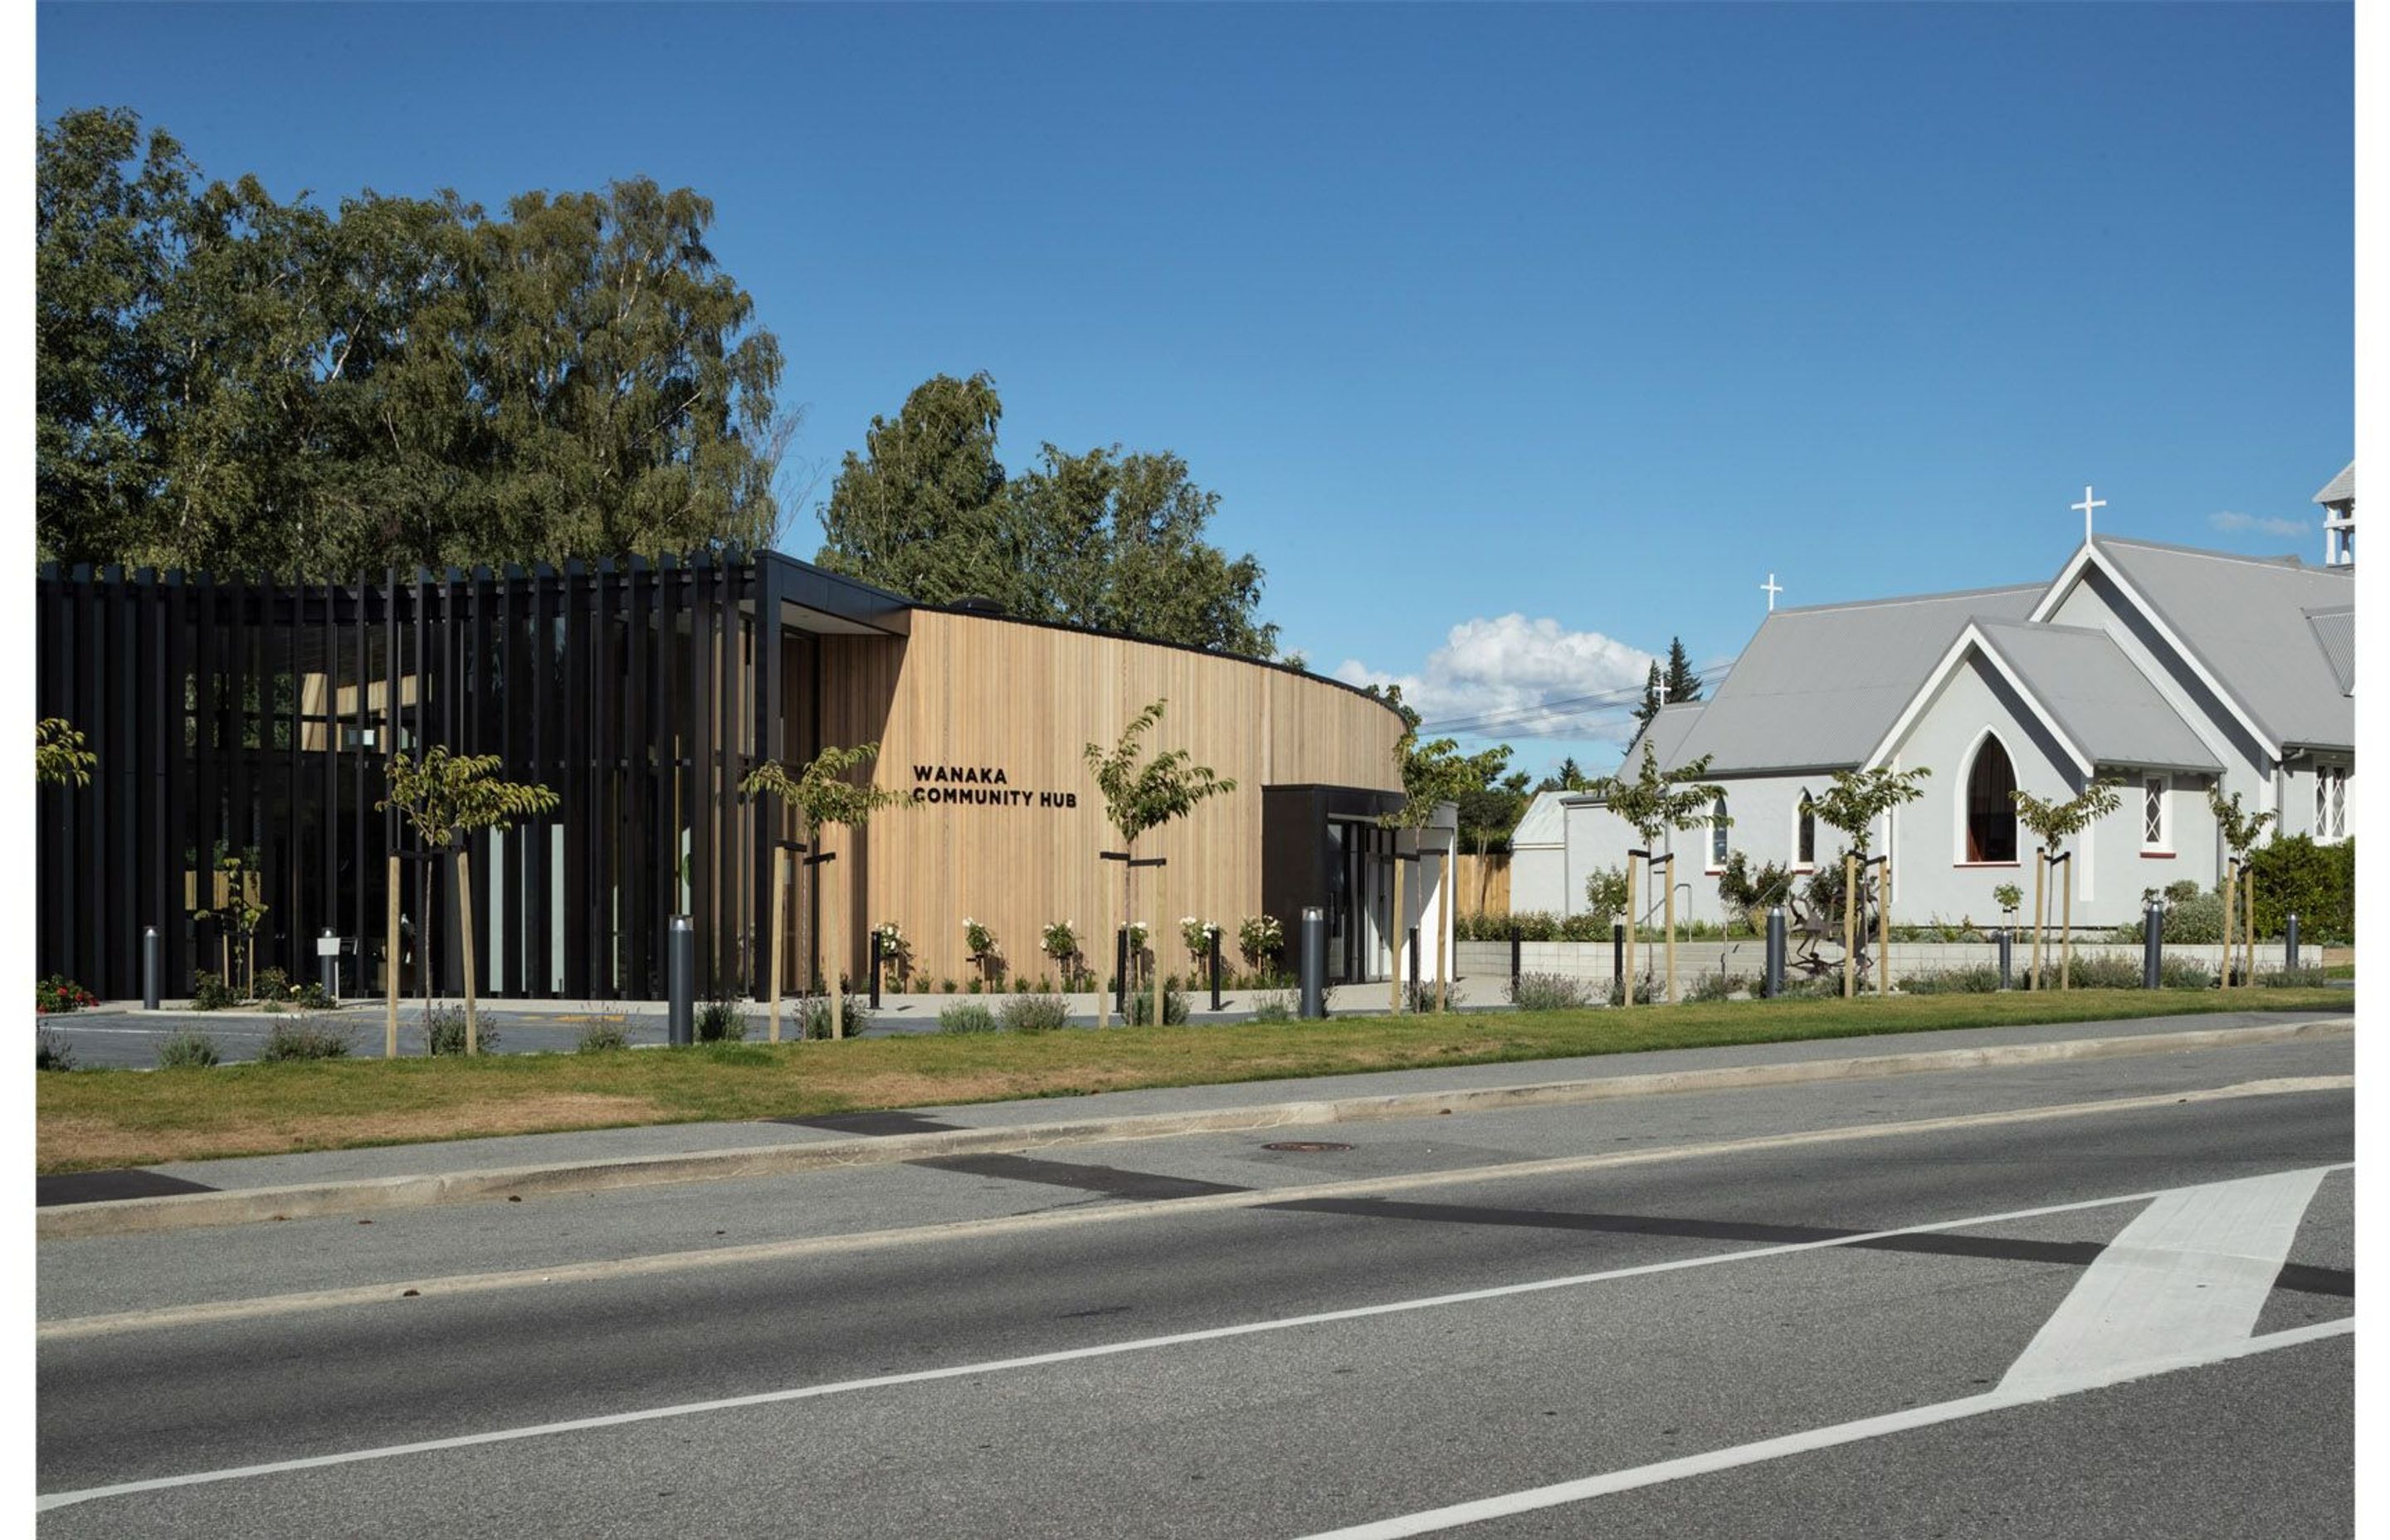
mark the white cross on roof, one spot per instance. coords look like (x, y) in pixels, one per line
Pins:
(2084, 508)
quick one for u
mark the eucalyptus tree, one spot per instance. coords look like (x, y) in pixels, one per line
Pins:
(822, 795)
(1653, 802)
(2241, 832)
(2055, 823)
(1141, 795)
(1853, 803)
(445, 799)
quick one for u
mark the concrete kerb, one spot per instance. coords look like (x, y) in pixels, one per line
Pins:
(327, 1199)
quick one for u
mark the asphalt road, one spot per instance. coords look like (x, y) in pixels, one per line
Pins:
(1695, 1343)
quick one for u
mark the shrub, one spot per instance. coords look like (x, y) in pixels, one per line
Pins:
(603, 1037)
(2293, 978)
(1039, 1012)
(2193, 922)
(189, 1049)
(1647, 989)
(1751, 893)
(2184, 974)
(720, 1020)
(51, 1051)
(275, 992)
(57, 994)
(2315, 883)
(1275, 1006)
(812, 1019)
(1260, 939)
(1173, 1008)
(208, 992)
(1953, 981)
(946, 986)
(304, 1038)
(1549, 992)
(967, 1016)
(444, 1031)
(1607, 895)
(1718, 986)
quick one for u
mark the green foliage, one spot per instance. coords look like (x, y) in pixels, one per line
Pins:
(277, 992)
(1647, 989)
(2240, 830)
(1682, 683)
(444, 1031)
(1142, 796)
(2315, 883)
(1260, 940)
(1174, 1008)
(445, 796)
(1569, 776)
(58, 994)
(1038, 1012)
(1274, 1007)
(1857, 798)
(229, 381)
(208, 992)
(51, 1051)
(1984, 979)
(716, 1021)
(1107, 540)
(967, 1016)
(2055, 823)
(1751, 892)
(1549, 992)
(189, 1049)
(306, 1039)
(603, 1037)
(812, 1017)
(1657, 801)
(1720, 986)
(821, 794)
(2008, 896)
(60, 757)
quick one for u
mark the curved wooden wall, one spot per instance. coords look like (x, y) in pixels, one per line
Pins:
(982, 694)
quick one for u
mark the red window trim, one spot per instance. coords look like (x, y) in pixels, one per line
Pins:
(1977, 865)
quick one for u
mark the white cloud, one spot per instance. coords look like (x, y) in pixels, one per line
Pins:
(2284, 529)
(1532, 676)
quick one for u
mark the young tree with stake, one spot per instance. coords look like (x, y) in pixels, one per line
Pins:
(2241, 831)
(821, 796)
(445, 797)
(2054, 824)
(1141, 795)
(1852, 804)
(1433, 773)
(1653, 802)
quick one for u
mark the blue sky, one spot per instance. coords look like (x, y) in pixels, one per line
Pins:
(1516, 340)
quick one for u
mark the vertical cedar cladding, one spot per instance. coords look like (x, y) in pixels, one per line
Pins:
(242, 713)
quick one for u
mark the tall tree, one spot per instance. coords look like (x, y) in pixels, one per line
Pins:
(229, 380)
(1682, 682)
(920, 511)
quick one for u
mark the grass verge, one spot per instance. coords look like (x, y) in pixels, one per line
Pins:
(103, 1118)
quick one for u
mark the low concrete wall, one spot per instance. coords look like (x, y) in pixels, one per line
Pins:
(1591, 959)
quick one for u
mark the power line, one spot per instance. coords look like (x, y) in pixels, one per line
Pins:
(1600, 703)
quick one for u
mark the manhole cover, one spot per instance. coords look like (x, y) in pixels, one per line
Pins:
(1305, 1147)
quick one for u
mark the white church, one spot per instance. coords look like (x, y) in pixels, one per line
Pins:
(2171, 668)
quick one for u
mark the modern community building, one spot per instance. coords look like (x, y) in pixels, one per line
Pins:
(233, 715)
(2172, 669)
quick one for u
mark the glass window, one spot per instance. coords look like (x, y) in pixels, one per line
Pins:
(2154, 802)
(1991, 816)
(1717, 832)
(1805, 843)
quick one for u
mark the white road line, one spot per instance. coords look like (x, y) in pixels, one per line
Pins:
(1106, 1350)
(1901, 1422)
(278, 1305)
(2190, 1272)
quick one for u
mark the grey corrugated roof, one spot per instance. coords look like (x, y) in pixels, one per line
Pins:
(2101, 699)
(1667, 732)
(2341, 488)
(2335, 632)
(2245, 621)
(1542, 824)
(1820, 686)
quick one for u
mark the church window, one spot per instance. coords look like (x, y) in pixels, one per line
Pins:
(1805, 841)
(1991, 815)
(2331, 802)
(1717, 832)
(2153, 813)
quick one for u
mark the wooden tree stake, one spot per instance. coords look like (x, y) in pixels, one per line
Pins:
(2232, 913)
(1627, 984)
(390, 970)
(1394, 939)
(1668, 903)
(465, 936)
(780, 930)
(2040, 886)
(1850, 924)
(2066, 929)
(1883, 933)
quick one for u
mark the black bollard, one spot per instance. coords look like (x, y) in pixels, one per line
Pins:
(1215, 971)
(680, 955)
(2003, 940)
(1415, 973)
(1618, 957)
(2153, 943)
(1773, 984)
(1120, 974)
(2290, 941)
(875, 969)
(1514, 961)
(152, 965)
(1314, 965)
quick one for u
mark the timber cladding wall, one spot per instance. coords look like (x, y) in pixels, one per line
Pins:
(969, 699)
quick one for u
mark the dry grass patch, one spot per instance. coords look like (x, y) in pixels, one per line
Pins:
(89, 1143)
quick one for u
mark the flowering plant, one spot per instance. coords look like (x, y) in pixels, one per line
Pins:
(1197, 934)
(977, 938)
(1137, 934)
(1260, 939)
(1061, 941)
(55, 993)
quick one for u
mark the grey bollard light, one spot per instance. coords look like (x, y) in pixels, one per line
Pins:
(681, 963)
(1315, 964)
(2291, 940)
(2005, 942)
(2153, 943)
(1774, 983)
(152, 965)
